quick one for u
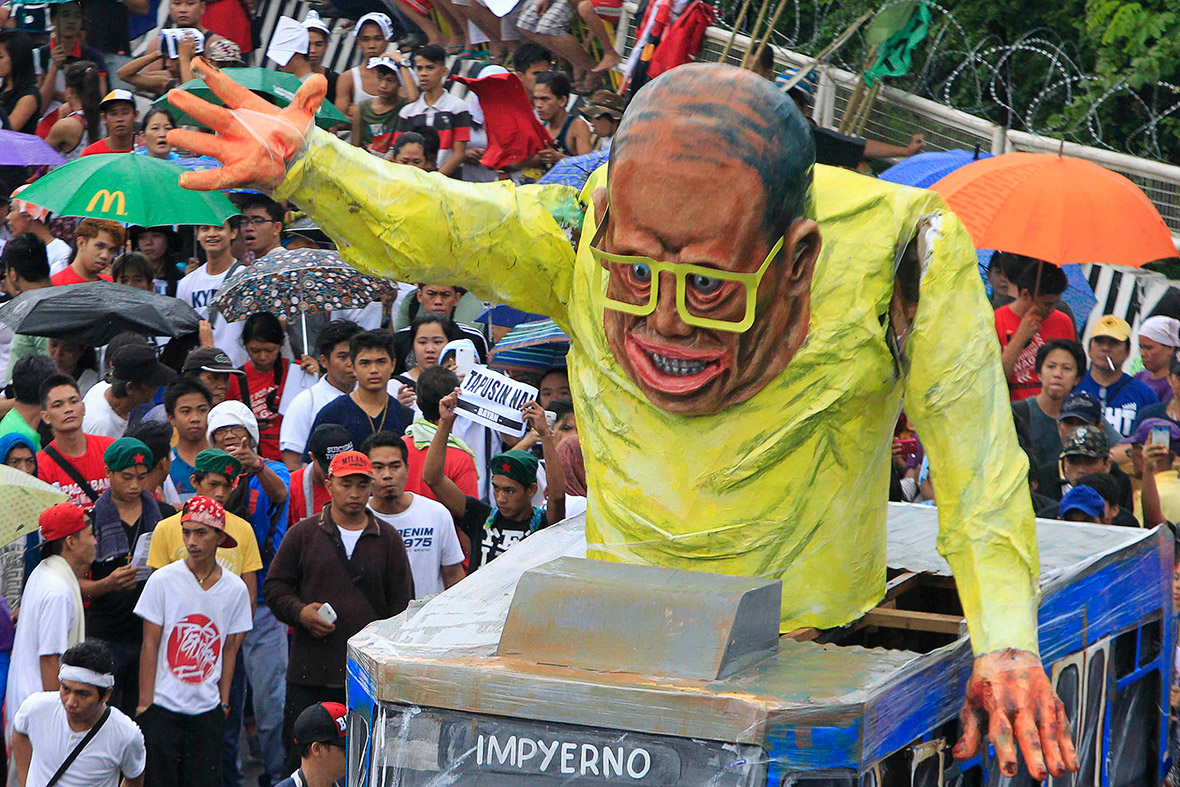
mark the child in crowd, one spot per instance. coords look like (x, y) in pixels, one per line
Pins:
(374, 120)
(373, 34)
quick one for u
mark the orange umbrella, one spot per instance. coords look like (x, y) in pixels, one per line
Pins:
(1055, 208)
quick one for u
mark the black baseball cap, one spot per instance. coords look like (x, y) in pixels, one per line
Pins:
(1081, 405)
(137, 363)
(327, 441)
(324, 722)
(209, 359)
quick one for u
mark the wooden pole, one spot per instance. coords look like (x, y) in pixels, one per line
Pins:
(733, 34)
(778, 12)
(754, 30)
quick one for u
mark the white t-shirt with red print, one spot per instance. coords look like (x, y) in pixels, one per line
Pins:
(195, 623)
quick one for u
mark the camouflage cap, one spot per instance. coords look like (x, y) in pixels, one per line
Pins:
(1086, 441)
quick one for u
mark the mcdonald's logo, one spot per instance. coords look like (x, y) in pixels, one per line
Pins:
(109, 197)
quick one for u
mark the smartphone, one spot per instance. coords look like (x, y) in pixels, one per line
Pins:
(909, 450)
(1161, 435)
(464, 354)
(326, 613)
(550, 418)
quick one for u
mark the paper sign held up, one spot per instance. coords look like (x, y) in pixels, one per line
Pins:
(494, 400)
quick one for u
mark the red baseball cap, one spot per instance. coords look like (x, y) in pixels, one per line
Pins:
(350, 463)
(324, 722)
(61, 520)
(208, 512)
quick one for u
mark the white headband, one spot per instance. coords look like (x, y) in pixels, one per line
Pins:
(83, 675)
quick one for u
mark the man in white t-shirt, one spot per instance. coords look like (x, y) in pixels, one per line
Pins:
(338, 379)
(199, 288)
(26, 217)
(136, 375)
(426, 526)
(49, 725)
(195, 616)
(51, 616)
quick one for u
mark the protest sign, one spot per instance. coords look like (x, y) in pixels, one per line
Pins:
(494, 400)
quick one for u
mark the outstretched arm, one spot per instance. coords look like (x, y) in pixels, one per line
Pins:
(501, 241)
(957, 397)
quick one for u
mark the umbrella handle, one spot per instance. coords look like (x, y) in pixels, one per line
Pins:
(303, 323)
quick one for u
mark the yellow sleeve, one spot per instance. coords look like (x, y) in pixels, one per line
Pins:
(508, 244)
(956, 395)
(164, 542)
(247, 545)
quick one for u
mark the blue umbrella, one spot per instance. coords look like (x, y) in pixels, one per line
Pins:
(575, 170)
(926, 169)
(506, 316)
(531, 346)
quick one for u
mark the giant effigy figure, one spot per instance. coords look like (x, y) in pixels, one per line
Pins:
(744, 325)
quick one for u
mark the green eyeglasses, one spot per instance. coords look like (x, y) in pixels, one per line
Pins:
(700, 290)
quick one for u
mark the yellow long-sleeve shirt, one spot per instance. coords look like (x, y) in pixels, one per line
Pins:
(792, 483)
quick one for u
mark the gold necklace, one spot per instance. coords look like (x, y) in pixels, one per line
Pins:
(384, 415)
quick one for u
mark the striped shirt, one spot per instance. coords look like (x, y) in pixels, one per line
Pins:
(449, 116)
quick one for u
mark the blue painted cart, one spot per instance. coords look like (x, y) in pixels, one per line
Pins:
(545, 669)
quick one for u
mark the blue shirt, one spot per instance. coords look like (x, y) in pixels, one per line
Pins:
(259, 510)
(181, 475)
(342, 410)
(1122, 401)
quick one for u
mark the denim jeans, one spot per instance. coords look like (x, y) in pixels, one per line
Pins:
(264, 654)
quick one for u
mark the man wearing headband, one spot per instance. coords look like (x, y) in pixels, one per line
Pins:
(51, 725)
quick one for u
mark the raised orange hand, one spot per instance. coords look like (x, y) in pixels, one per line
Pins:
(255, 139)
(1010, 699)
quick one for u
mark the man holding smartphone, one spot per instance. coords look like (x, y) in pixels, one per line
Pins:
(343, 558)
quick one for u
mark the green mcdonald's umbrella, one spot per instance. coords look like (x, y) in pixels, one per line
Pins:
(274, 86)
(129, 188)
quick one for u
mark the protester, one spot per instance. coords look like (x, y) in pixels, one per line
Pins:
(1029, 322)
(51, 616)
(1113, 497)
(24, 216)
(1121, 395)
(604, 113)
(136, 377)
(566, 423)
(20, 100)
(448, 301)
(1167, 482)
(133, 270)
(73, 736)
(554, 384)
(1059, 365)
(289, 46)
(25, 268)
(260, 497)
(1084, 451)
(73, 461)
(347, 559)
(1082, 409)
(157, 436)
(319, 733)
(570, 133)
(125, 516)
(154, 126)
(25, 416)
(459, 464)
(426, 527)
(260, 386)
(339, 378)
(1083, 504)
(574, 465)
(187, 402)
(79, 118)
(97, 242)
(159, 245)
(76, 360)
(375, 120)
(195, 616)
(1159, 337)
(199, 287)
(368, 409)
(372, 35)
(437, 109)
(211, 367)
(428, 335)
(17, 451)
(318, 34)
(529, 61)
(118, 117)
(67, 46)
(262, 224)
(309, 493)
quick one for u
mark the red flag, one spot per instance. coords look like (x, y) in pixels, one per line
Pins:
(681, 43)
(514, 133)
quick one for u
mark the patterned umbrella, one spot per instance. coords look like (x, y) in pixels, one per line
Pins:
(297, 282)
(575, 170)
(26, 150)
(530, 347)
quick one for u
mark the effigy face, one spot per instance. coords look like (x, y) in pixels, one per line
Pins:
(705, 303)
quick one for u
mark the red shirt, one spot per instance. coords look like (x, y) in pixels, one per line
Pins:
(459, 466)
(261, 384)
(90, 466)
(69, 276)
(101, 147)
(1024, 381)
(297, 502)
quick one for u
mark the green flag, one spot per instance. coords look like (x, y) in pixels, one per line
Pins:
(896, 32)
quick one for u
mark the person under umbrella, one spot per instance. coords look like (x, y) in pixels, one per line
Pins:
(77, 360)
(264, 376)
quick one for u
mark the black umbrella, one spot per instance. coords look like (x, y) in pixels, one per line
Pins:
(94, 312)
